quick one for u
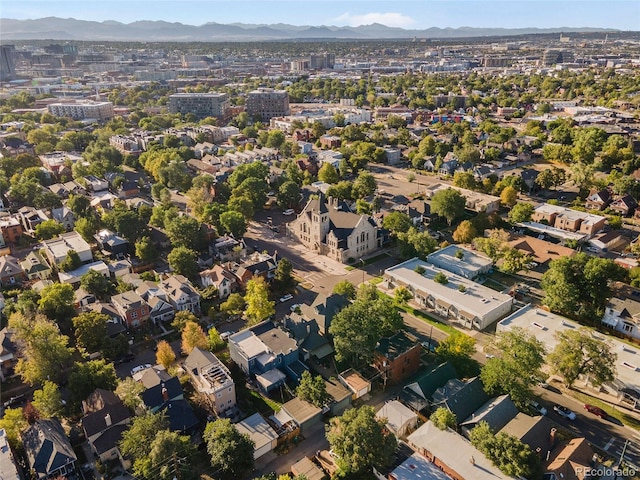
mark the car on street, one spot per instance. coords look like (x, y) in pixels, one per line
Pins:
(597, 411)
(592, 249)
(15, 401)
(564, 412)
(537, 408)
(139, 368)
(126, 358)
(289, 211)
(225, 335)
(286, 298)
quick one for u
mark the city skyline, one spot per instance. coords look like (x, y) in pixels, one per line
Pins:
(615, 14)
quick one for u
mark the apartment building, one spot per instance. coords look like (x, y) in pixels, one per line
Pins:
(201, 105)
(213, 379)
(266, 103)
(82, 110)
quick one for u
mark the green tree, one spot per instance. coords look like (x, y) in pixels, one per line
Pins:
(193, 336)
(345, 288)
(71, 262)
(48, 229)
(90, 330)
(233, 223)
(415, 243)
(96, 283)
(465, 180)
(579, 353)
(288, 195)
(579, 286)
(143, 430)
(465, 233)
(243, 205)
(341, 191)
(165, 446)
(215, 340)
(513, 260)
(259, 307)
(449, 204)
(184, 231)
(56, 301)
(397, 222)
(364, 186)
(234, 305)
(86, 377)
(129, 391)
(444, 418)
(80, 205)
(182, 261)
(231, 451)
(521, 212)
(87, 227)
(313, 389)
(181, 318)
(509, 196)
(47, 400)
(283, 275)
(328, 173)
(363, 207)
(517, 368)
(360, 441)
(13, 423)
(46, 353)
(146, 250)
(125, 222)
(458, 349)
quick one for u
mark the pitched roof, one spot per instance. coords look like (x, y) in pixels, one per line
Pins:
(497, 412)
(96, 421)
(47, 446)
(430, 381)
(460, 397)
(396, 345)
(570, 460)
(9, 266)
(532, 431)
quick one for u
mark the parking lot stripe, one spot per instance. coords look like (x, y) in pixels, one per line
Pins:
(608, 445)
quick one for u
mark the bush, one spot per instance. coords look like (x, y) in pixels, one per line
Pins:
(441, 278)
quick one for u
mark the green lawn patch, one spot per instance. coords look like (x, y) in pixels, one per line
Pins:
(628, 420)
(375, 259)
(376, 280)
(258, 399)
(428, 319)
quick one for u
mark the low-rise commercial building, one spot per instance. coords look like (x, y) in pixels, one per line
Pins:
(461, 261)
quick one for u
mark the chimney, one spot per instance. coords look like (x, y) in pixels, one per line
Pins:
(107, 419)
(552, 437)
(539, 452)
(165, 394)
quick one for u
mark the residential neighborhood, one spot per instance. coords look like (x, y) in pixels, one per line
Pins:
(399, 260)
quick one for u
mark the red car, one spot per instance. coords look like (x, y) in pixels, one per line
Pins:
(595, 410)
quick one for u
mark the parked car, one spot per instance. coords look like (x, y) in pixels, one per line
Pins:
(286, 298)
(595, 410)
(592, 249)
(429, 347)
(295, 307)
(225, 335)
(139, 368)
(15, 401)
(536, 407)
(289, 211)
(564, 412)
(126, 358)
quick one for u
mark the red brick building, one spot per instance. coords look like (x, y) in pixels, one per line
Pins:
(397, 357)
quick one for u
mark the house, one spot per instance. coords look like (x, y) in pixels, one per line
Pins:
(115, 323)
(572, 461)
(304, 414)
(65, 217)
(8, 465)
(221, 279)
(73, 277)
(132, 307)
(622, 313)
(474, 201)
(328, 227)
(453, 454)
(419, 211)
(105, 420)
(48, 449)
(430, 381)
(82, 298)
(397, 357)
(128, 189)
(400, 420)
(11, 230)
(355, 383)
(541, 251)
(461, 261)
(497, 412)
(118, 268)
(545, 326)
(448, 168)
(537, 432)
(228, 248)
(330, 141)
(323, 309)
(8, 353)
(181, 294)
(213, 379)
(95, 184)
(463, 301)
(263, 436)
(567, 219)
(11, 272)
(56, 250)
(480, 172)
(267, 353)
(416, 467)
(35, 267)
(32, 217)
(307, 334)
(529, 176)
(160, 310)
(460, 397)
(624, 205)
(111, 244)
(612, 240)
(258, 265)
(598, 200)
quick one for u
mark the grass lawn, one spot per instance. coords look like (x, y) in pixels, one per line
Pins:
(273, 405)
(428, 319)
(628, 420)
(376, 280)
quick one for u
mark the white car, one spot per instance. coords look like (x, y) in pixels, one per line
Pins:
(289, 211)
(295, 307)
(139, 368)
(593, 249)
(286, 298)
(225, 335)
(564, 412)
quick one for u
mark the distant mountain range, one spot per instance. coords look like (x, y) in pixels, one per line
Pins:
(53, 28)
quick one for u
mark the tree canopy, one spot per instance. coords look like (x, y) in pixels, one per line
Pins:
(230, 451)
(449, 204)
(259, 307)
(312, 389)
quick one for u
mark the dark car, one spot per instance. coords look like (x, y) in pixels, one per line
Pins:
(15, 401)
(124, 359)
(597, 411)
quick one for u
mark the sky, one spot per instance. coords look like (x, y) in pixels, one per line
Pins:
(408, 14)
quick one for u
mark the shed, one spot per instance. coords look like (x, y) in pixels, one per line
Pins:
(307, 468)
(356, 383)
(260, 432)
(304, 414)
(340, 395)
(400, 420)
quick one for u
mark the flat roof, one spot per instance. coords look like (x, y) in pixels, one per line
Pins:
(456, 452)
(355, 381)
(258, 430)
(307, 468)
(249, 343)
(471, 261)
(68, 277)
(476, 299)
(552, 231)
(568, 212)
(416, 467)
(300, 410)
(544, 326)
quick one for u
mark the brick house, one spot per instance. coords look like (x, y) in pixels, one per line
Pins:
(397, 357)
(132, 307)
